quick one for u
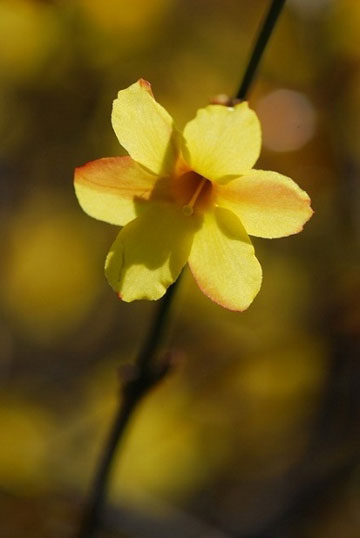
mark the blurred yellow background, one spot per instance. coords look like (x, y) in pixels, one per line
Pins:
(255, 433)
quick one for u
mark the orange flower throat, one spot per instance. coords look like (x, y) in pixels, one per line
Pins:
(192, 192)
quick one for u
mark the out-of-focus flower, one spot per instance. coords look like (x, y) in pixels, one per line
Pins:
(47, 287)
(24, 444)
(37, 32)
(124, 15)
(342, 24)
(188, 197)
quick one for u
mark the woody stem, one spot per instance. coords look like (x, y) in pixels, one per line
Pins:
(259, 47)
(147, 373)
(146, 376)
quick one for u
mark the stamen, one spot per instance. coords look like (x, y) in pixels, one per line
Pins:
(188, 209)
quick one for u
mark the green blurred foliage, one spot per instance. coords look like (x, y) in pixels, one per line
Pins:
(255, 430)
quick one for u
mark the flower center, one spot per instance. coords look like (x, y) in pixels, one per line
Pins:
(188, 209)
(192, 192)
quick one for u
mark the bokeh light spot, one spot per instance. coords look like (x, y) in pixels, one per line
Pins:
(288, 120)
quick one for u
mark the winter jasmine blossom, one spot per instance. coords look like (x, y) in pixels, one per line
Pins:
(190, 197)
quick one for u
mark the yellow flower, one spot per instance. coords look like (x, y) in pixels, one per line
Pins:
(190, 197)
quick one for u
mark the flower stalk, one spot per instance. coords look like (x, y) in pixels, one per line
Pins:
(148, 372)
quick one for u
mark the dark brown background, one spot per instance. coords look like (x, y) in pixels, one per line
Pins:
(255, 433)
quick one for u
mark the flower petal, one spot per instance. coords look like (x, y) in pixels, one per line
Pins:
(223, 261)
(149, 253)
(222, 141)
(268, 204)
(144, 128)
(112, 188)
